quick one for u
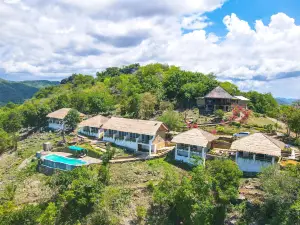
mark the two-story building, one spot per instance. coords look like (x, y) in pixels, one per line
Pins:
(92, 127)
(256, 151)
(192, 144)
(56, 118)
(218, 98)
(138, 135)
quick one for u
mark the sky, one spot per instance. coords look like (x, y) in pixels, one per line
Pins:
(252, 43)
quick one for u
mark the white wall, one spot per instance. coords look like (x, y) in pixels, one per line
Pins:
(250, 165)
(189, 158)
(127, 144)
(91, 134)
(55, 126)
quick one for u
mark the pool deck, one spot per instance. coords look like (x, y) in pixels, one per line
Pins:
(88, 159)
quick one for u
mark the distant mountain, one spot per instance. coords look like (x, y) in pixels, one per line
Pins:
(286, 101)
(18, 92)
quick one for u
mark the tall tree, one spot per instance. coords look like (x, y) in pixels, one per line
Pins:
(12, 125)
(147, 105)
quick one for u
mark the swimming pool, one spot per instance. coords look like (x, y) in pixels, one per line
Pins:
(61, 162)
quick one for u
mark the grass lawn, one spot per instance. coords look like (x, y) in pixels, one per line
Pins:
(260, 121)
(18, 168)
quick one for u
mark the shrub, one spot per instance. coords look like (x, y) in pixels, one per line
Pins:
(141, 212)
(219, 113)
(297, 142)
(220, 129)
(150, 186)
(237, 124)
(165, 105)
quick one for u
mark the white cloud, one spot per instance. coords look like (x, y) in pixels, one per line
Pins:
(57, 38)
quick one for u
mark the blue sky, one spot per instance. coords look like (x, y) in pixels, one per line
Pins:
(252, 10)
(253, 43)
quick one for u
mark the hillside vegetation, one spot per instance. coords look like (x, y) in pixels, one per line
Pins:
(159, 191)
(17, 92)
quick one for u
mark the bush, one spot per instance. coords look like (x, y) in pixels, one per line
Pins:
(219, 113)
(220, 129)
(165, 105)
(297, 142)
(237, 124)
(141, 212)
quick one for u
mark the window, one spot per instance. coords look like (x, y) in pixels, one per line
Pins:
(94, 130)
(263, 157)
(246, 155)
(133, 135)
(122, 134)
(183, 146)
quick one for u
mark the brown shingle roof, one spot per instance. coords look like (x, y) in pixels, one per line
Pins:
(146, 127)
(96, 121)
(61, 113)
(218, 92)
(260, 144)
(195, 136)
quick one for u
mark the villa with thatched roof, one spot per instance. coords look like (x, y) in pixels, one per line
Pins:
(92, 127)
(56, 118)
(256, 151)
(218, 98)
(138, 135)
(194, 142)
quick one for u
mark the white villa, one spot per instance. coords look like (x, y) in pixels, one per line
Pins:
(256, 151)
(138, 135)
(195, 142)
(92, 127)
(56, 118)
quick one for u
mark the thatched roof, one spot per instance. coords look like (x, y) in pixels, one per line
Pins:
(218, 92)
(260, 144)
(146, 127)
(195, 136)
(61, 113)
(96, 121)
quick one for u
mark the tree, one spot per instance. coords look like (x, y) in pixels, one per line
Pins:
(62, 101)
(194, 200)
(48, 217)
(72, 119)
(225, 183)
(230, 88)
(108, 72)
(5, 141)
(172, 119)
(147, 105)
(12, 124)
(282, 196)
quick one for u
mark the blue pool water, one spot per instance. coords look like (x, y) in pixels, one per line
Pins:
(65, 160)
(61, 162)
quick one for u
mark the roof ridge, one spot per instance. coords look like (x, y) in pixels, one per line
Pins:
(273, 140)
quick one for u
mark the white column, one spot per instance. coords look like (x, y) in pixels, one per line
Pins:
(273, 160)
(254, 157)
(203, 156)
(150, 150)
(236, 155)
(176, 151)
(189, 153)
(90, 132)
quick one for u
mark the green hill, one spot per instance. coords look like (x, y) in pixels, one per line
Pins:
(18, 92)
